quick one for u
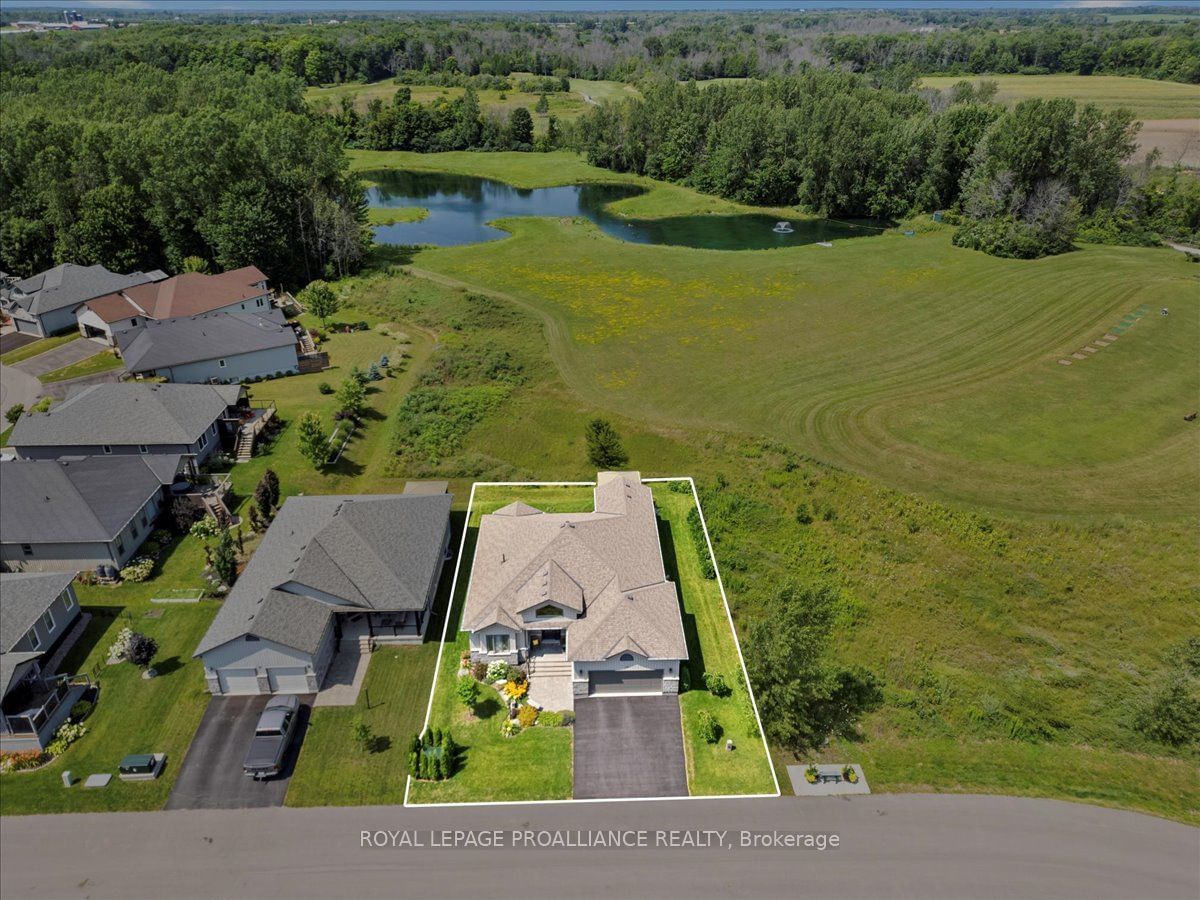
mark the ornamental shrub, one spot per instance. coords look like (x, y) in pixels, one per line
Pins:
(141, 649)
(549, 719)
(67, 734)
(138, 569)
(527, 715)
(497, 671)
(206, 528)
(80, 710)
(707, 727)
(510, 728)
(468, 691)
(716, 685)
(120, 647)
(479, 670)
(325, 388)
(516, 690)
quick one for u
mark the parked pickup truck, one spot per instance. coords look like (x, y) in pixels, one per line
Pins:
(272, 736)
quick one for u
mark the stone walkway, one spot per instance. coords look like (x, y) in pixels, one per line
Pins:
(551, 692)
(344, 679)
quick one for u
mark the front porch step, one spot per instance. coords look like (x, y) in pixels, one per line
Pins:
(549, 666)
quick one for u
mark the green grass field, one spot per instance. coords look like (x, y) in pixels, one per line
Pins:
(931, 368)
(563, 105)
(1148, 98)
(390, 215)
(93, 365)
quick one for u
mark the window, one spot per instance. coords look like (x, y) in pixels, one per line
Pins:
(133, 322)
(497, 643)
(68, 600)
(549, 610)
(142, 448)
(144, 522)
(203, 440)
(27, 549)
(48, 621)
(120, 547)
(106, 448)
(258, 302)
(134, 531)
(221, 363)
(213, 429)
(252, 637)
(626, 657)
(35, 640)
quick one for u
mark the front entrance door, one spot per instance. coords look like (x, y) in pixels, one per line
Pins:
(548, 640)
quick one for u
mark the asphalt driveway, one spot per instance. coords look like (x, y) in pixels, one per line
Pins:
(11, 340)
(211, 776)
(629, 747)
(64, 355)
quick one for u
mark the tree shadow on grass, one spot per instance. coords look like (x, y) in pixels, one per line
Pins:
(167, 666)
(380, 743)
(487, 708)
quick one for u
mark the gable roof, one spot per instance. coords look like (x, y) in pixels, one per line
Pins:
(69, 285)
(26, 597)
(174, 342)
(369, 551)
(191, 293)
(127, 413)
(78, 499)
(606, 564)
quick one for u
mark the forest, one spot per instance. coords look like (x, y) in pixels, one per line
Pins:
(139, 168)
(893, 45)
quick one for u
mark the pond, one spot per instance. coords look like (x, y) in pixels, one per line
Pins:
(460, 207)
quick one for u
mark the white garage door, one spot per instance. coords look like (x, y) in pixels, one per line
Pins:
(288, 680)
(625, 682)
(238, 681)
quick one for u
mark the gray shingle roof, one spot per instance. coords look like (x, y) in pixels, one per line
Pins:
(23, 598)
(69, 285)
(78, 498)
(370, 551)
(174, 342)
(127, 414)
(608, 562)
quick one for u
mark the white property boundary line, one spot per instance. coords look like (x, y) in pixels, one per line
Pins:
(462, 546)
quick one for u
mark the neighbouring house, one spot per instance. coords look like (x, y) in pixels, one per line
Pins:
(45, 303)
(224, 347)
(588, 589)
(37, 618)
(190, 420)
(331, 573)
(182, 296)
(78, 512)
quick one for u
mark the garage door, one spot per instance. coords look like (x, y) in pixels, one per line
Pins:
(26, 327)
(238, 681)
(288, 680)
(625, 682)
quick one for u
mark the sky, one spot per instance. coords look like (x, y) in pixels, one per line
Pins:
(560, 5)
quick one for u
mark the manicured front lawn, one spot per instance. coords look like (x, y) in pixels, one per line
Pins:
(534, 765)
(28, 351)
(93, 365)
(132, 714)
(711, 768)
(332, 770)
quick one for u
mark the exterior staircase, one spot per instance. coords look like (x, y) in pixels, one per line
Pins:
(549, 666)
(217, 509)
(366, 643)
(243, 450)
(306, 342)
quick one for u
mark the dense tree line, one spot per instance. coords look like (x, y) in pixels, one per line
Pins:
(1170, 52)
(141, 168)
(625, 47)
(1025, 177)
(445, 124)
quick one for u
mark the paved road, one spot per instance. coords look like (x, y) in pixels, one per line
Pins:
(64, 355)
(629, 747)
(894, 846)
(211, 777)
(17, 387)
